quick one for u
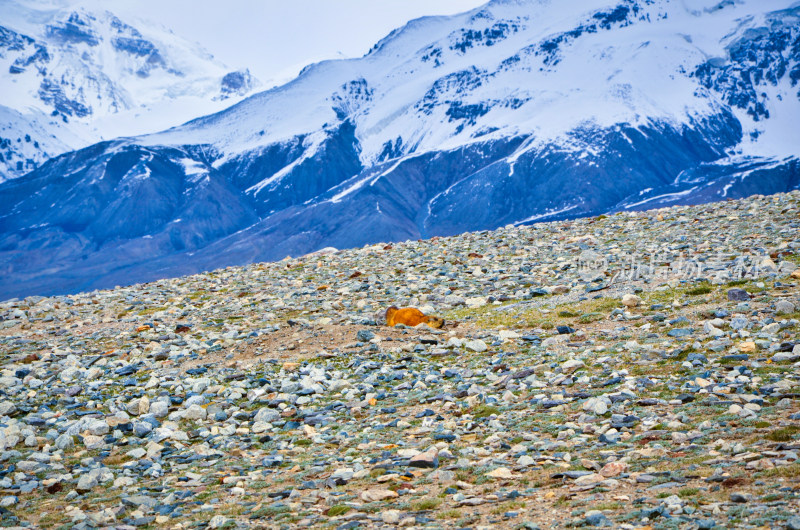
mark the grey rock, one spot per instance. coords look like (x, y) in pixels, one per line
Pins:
(738, 295)
(738, 323)
(7, 408)
(476, 345)
(87, 482)
(8, 500)
(267, 415)
(140, 500)
(159, 409)
(786, 356)
(142, 428)
(65, 442)
(679, 332)
(426, 459)
(195, 412)
(97, 427)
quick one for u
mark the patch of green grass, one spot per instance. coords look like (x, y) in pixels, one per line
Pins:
(269, 511)
(484, 411)
(684, 354)
(426, 504)
(588, 318)
(562, 314)
(607, 506)
(784, 434)
(448, 514)
(562, 501)
(303, 441)
(150, 310)
(683, 493)
(338, 509)
(703, 288)
(790, 471)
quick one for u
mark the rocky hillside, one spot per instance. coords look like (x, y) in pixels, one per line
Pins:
(635, 370)
(512, 113)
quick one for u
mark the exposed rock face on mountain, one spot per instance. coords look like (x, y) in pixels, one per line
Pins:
(71, 78)
(513, 113)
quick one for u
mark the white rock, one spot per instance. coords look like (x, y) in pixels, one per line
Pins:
(159, 409)
(267, 415)
(598, 406)
(195, 412)
(571, 365)
(500, 472)
(8, 500)
(97, 427)
(476, 301)
(793, 355)
(374, 495)
(631, 300)
(525, 461)
(7, 408)
(219, 520)
(476, 345)
(507, 334)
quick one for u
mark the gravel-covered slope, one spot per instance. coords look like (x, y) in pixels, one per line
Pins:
(633, 370)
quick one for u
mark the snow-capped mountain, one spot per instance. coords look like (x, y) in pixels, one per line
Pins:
(516, 112)
(71, 78)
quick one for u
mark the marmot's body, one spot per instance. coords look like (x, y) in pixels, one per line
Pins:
(411, 316)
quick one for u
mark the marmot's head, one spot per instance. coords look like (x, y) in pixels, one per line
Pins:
(390, 311)
(435, 322)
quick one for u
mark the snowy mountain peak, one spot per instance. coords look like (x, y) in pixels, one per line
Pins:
(84, 75)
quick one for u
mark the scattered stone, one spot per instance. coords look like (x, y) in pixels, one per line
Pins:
(612, 469)
(738, 295)
(476, 345)
(747, 347)
(218, 521)
(377, 495)
(427, 459)
(390, 516)
(500, 472)
(7, 408)
(631, 300)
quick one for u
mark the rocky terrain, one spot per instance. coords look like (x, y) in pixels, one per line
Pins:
(636, 370)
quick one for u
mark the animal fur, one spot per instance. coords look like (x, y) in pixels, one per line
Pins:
(411, 316)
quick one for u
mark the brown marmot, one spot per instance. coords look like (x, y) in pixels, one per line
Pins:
(411, 316)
